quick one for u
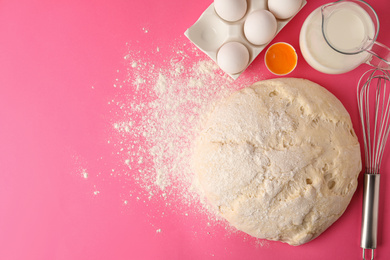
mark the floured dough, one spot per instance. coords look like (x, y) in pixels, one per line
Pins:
(279, 160)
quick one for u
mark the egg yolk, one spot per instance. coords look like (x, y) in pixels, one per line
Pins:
(281, 58)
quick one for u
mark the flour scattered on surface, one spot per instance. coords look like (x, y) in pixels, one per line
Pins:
(163, 102)
(84, 173)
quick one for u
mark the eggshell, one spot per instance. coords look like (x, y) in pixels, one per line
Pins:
(230, 10)
(260, 27)
(284, 9)
(233, 57)
(281, 58)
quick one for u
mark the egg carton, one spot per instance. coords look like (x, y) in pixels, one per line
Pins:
(210, 31)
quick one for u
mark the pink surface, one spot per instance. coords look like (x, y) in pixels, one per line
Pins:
(59, 62)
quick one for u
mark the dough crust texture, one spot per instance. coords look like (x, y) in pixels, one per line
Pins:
(279, 160)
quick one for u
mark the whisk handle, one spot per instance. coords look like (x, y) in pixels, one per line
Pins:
(370, 211)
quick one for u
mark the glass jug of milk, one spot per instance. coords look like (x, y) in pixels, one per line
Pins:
(338, 37)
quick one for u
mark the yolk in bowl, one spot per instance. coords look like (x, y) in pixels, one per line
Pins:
(281, 58)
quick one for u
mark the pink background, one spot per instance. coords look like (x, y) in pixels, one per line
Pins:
(58, 63)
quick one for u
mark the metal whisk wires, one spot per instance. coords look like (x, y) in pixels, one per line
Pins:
(375, 124)
(373, 97)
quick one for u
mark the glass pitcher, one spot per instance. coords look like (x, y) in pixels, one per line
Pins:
(340, 36)
(351, 27)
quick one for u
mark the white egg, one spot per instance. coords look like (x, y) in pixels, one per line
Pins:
(233, 57)
(260, 27)
(230, 10)
(284, 9)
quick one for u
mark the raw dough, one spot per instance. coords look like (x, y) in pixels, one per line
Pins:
(279, 160)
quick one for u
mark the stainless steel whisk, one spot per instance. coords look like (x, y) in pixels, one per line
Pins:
(373, 98)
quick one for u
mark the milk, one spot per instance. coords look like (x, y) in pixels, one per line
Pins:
(346, 28)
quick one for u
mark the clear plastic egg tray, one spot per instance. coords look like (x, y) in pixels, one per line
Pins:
(210, 31)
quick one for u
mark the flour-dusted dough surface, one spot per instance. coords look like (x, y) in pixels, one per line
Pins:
(279, 160)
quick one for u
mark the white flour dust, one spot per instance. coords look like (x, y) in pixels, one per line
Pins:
(160, 115)
(161, 99)
(161, 105)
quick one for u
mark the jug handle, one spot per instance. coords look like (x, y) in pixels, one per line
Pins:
(380, 56)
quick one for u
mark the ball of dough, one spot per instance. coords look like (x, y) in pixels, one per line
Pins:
(279, 160)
